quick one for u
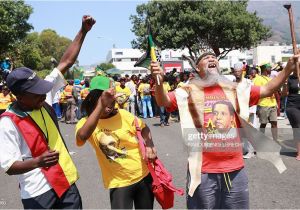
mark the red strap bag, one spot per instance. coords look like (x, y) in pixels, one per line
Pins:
(162, 186)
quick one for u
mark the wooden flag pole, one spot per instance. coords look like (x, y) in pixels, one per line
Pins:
(292, 27)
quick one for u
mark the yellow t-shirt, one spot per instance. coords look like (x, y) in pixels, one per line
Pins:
(121, 164)
(261, 80)
(180, 84)
(127, 92)
(167, 87)
(84, 92)
(5, 101)
(144, 89)
(63, 98)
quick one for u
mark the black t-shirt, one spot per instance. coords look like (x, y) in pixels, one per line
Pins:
(294, 92)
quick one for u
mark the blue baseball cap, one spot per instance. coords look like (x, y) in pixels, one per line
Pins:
(23, 79)
(77, 82)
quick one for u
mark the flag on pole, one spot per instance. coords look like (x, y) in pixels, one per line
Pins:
(150, 54)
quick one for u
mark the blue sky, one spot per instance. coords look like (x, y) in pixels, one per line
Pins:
(113, 24)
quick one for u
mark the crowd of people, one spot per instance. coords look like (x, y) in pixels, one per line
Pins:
(107, 111)
(138, 96)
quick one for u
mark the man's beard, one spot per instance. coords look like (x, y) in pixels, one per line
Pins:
(212, 78)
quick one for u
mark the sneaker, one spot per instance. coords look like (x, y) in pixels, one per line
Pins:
(280, 118)
(162, 125)
(249, 155)
(167, 124)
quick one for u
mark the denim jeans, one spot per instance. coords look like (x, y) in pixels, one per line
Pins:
(164, 115)
(146, 100)
(78, 111)
(57, 110)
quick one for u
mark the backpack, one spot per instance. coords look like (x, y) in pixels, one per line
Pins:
(162, 186)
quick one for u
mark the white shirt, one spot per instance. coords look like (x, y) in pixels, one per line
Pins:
(58, 79)
(274, 74)
(56, 97)
(230, 77)
(132, 87)
(14, 148)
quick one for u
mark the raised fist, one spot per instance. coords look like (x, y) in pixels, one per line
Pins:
(87, 23)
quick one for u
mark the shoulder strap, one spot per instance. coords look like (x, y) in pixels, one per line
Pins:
(10, 115)
(142, 148)
(52, 114)
(140, 137)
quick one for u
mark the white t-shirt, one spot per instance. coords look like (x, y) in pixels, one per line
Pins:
(230, 77)
(58, 79)
(132, 87)
(274, 74)
(14, 148)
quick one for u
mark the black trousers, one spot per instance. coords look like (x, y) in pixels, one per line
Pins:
(293, 114)
(139, 193)
(71, 199)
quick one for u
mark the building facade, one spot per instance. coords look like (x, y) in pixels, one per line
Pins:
(124, 59)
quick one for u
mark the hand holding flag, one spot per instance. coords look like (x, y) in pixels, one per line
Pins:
(153, 55)
(149, 56)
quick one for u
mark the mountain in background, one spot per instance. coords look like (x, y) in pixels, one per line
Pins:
(276, 16)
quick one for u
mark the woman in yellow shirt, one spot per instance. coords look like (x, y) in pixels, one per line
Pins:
(112, 134)
(6, 98)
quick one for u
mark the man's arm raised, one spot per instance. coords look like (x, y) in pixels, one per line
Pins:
(71, 54)
(268, 89)
(161, 96)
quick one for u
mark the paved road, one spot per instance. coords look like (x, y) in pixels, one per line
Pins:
(268, 189)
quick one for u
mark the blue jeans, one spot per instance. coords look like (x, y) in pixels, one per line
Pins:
(57, 110)
(146, 100)
(213, 192)
(78, 111)
(164, 115)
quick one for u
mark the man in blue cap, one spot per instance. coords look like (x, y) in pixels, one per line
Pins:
(31, 145)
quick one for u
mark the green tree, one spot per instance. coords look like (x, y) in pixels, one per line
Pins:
(199, 25)
(52, 44)
(14, 15)
(36, 50)
(30, 52)
(105, 66)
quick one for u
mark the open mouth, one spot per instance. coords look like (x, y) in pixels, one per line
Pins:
(212, 65)
(219, 125)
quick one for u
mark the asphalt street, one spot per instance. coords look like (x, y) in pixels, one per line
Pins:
(268, 189)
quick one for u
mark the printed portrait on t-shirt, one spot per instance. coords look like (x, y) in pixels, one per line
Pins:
(219, 121)
(223, 116)
(109, 144)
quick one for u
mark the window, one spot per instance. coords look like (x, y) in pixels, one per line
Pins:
(117, 59)
(118, 53)
(273, 58)
(143, 71)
